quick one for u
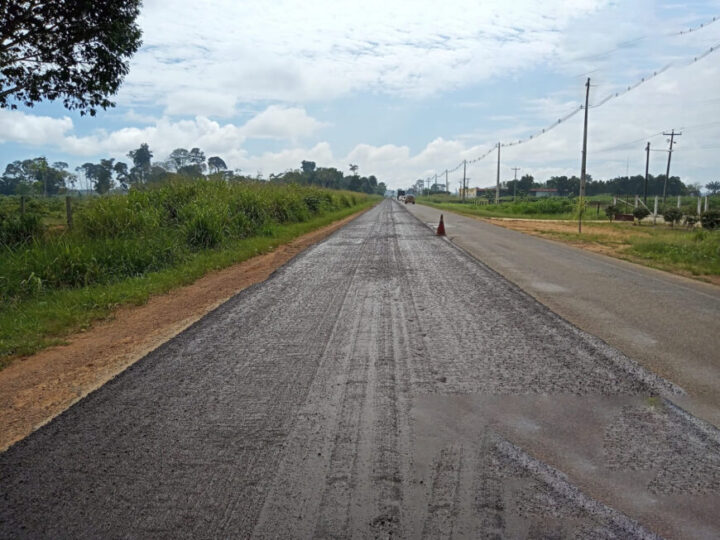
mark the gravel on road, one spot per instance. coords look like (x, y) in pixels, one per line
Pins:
(383, 383)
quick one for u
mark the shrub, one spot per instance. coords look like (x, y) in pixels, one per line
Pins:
(641, 213)
(672, 215)
(611, 211)
(118, 215)
(710, 219)
(19, 230)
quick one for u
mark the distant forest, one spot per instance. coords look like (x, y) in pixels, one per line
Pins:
(39, 177)
(570, 186)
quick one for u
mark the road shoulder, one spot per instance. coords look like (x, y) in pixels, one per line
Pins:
(35, 389)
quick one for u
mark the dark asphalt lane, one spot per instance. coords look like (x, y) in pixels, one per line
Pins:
(361, 392)
(668, 323)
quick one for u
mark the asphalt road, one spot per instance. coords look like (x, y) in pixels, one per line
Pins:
(361, 393)
(670, 324)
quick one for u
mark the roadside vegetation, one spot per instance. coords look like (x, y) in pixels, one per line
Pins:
(682, 241)
(124, 247)
(548, 208)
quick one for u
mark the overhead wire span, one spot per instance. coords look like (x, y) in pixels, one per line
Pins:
(604, 100)
(623, 44)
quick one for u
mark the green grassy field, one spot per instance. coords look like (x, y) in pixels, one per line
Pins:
(553, 207)
(124, 248)
(550, 208)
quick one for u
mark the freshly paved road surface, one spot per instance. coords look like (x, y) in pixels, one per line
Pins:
(361, 393)
(670, 324)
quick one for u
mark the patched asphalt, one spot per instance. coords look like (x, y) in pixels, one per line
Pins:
(384, 383)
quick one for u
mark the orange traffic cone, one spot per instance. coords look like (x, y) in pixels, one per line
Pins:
(441, 227)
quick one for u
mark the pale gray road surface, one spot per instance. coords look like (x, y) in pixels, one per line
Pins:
(669, 324)
(361, 393)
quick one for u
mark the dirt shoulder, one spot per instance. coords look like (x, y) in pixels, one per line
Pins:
(35, 389)
(600, 239)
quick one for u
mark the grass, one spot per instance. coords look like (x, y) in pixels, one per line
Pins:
(550, 208)
(127, 248)
(686, 252)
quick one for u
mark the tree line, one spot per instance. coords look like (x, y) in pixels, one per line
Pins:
(570, 186)
(330, 177)
(39, 177)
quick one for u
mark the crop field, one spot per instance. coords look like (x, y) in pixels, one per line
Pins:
(124, 247)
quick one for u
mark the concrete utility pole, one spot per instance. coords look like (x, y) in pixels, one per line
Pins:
(584, 156)
(647, 168)
(670, 151)
(464, 178)
(516, 169)
(497, 185)
(447, 184)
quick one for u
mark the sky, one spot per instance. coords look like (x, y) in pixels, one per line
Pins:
(407, 89)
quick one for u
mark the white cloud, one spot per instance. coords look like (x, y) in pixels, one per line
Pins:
(278, 122)
(23, 128)
(296, 51)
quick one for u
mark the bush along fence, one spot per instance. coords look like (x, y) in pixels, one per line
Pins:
(106, 239)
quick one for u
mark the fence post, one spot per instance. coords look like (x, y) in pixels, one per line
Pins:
(655, 211)
(22, 206)
(68, 212)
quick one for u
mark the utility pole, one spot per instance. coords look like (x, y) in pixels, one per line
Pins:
(447, 184)
(584, 157)
(463, 181)
(497, 185)
(516, 169)
(647, 168)
(670, 151)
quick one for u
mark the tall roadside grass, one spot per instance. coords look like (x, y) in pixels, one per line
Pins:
(125, 247)
(545, 208)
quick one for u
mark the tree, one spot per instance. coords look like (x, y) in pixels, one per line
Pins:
(122, 174)
(713, 187)
(36, 175)
(611, 211)
(197, 157)
(77, 51)
(641, 213)
(672, 215)
(308, 167)
(353, 169)
(15, 179)
(525, 184)
(216, 164)
(694, 189)
(100, 174)
(179, 158)
(142, 162)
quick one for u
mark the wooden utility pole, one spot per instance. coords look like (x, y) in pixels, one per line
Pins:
(647, 168)
(464, 186)
(497, 185)
(670, 151)
(584, 157)
(447, 184)
(516, 169)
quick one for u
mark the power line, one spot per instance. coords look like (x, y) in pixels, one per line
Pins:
(580, 107)
(624, 44)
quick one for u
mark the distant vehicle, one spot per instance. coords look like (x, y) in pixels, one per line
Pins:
(401, 195)
(409, 199)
